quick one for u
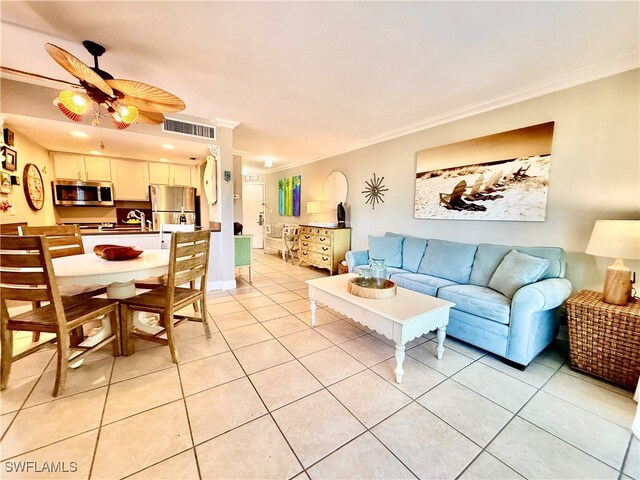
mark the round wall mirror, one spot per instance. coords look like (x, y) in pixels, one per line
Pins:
(335, 189)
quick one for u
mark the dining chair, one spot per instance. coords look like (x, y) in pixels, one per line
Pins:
(26, 274)
(64, 240)
(188, 262)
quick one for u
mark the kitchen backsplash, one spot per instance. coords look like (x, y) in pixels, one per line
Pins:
(101, 214)
(126, 216)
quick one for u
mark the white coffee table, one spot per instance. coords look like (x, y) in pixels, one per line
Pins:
(401, 318)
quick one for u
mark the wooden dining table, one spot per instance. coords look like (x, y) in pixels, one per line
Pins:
(119, 276)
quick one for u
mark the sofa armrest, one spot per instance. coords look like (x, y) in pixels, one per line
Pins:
(533, 323)
(542, 295)
(360, 257)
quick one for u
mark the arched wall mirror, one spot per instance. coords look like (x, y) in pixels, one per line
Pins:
(335, 189)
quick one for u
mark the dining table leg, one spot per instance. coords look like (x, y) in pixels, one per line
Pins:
(120, 290)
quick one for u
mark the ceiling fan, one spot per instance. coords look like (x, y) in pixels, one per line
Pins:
(124, 101)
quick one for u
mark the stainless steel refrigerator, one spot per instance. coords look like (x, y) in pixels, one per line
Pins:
(167, 204)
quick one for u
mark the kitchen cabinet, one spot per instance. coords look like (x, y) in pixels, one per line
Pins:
(130, 180)
(78, 167)
(169, 174)
(97, 169)
(323, 247)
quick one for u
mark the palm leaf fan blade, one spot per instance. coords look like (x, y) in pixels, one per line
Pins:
(150, 118)
(77, 68)
(147, 97)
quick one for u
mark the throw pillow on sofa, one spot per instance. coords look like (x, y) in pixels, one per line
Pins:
(515, 271)
(388, 248)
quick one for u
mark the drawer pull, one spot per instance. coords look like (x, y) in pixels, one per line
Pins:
(325, 249)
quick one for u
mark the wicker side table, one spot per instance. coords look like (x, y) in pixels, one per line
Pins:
(604, 339)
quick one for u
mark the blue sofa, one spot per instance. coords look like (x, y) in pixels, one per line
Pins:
(506, 297)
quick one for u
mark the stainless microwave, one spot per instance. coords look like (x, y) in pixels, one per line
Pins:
(76, 193)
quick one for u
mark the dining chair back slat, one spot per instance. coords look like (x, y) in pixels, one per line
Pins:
(11, 243)
(23, 279)
(11, 228)
(188, 276)
(185, 250)
(17, 260)
(25, 294)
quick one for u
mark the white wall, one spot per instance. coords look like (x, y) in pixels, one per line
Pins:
(29, 152)
(594, 174)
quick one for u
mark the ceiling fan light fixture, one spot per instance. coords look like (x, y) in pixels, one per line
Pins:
(67, 113)
(119, 125)
(129, 114)
(74, 102)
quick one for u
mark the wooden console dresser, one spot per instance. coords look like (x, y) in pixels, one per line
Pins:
(323, 247)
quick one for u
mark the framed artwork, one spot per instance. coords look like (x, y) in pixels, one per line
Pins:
(289, 196)
(6, 187)
(504, 176)
(10, 161)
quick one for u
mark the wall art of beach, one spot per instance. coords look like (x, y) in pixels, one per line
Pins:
(498, 177)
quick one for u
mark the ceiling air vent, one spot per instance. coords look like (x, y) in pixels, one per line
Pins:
(189, 129)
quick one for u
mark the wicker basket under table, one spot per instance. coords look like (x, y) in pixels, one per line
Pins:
(604, 339)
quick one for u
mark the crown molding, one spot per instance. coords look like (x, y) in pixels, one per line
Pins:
(581, 76)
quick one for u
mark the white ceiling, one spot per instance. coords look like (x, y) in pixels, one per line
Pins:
(310, 79)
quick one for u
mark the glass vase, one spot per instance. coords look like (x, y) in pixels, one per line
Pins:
(378, 271)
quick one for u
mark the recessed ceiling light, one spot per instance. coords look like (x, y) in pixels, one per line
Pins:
(163, 160)
(268, 163)
(78, 133)
(95, 152)
(168, 146)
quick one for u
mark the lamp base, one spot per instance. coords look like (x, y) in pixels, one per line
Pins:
(617, 284)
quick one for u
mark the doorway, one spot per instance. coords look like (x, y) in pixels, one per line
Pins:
(253, 212)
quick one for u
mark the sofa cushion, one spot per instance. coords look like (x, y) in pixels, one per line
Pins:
(412, 251)
(517, 270)
(476, 300)
(389, 248)
(490, 255)
(421, 282)
(450, 260)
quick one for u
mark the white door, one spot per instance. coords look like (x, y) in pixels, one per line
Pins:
(253, 212)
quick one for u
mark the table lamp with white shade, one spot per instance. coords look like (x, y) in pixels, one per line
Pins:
(312, 209)
(617, 239)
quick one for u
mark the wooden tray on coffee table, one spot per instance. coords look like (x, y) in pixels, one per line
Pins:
(366, 288)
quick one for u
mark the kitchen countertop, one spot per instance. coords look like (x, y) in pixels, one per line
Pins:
(118, 231)
(122, 231)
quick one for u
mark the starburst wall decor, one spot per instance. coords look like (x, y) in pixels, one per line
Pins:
(373, 191)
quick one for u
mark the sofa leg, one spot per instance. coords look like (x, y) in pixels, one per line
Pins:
(513, 364)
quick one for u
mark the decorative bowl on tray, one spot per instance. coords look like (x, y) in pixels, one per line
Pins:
(117, 252)
(371, 288)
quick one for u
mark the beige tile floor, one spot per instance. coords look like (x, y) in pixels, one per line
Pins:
(269, 397)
